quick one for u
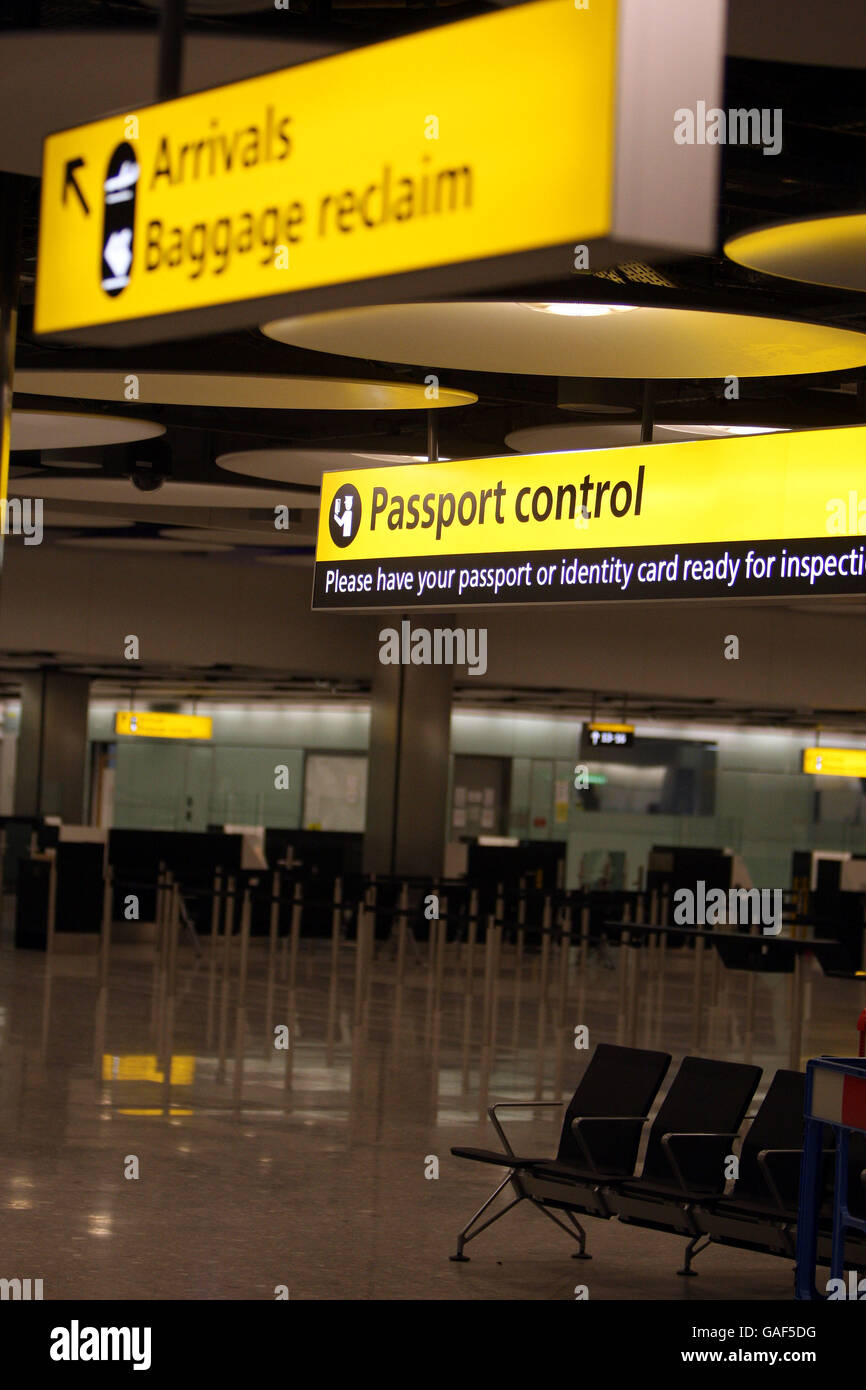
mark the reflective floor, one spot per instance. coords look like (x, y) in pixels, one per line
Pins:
(260, 1165)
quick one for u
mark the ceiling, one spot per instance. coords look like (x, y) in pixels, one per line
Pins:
(820, 170)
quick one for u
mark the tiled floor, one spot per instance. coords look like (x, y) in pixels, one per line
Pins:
(313, 1177)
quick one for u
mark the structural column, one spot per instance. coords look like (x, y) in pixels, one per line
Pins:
(407, 787)
(51, 772)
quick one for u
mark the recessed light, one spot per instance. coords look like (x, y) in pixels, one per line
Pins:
(581, 311)
(401, 458)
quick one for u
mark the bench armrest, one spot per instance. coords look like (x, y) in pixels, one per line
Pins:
(516, 1105)
(583, 1123)
(682, 1141)
(767, 1160)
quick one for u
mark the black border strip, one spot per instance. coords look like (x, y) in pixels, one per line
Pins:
(559, 592)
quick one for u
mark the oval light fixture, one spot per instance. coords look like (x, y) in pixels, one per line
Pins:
(574, 437)
(238, 391)
(306, 466)
(61, 429)
(171, 494)
(263, 538)
(818, 250)
(144, 543)
(549, 340)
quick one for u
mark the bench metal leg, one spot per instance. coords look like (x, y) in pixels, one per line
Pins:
(693, 1248)
(464, 1236)
(578, 1234)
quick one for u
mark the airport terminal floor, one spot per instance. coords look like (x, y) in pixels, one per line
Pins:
(432, 724)
(340, 1148)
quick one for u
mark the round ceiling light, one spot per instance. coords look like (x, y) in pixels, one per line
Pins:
(149, 543)
(720, 431)
(222, 390)
(80, 520)
(549, 439)
(306, 465)
(646, 342)
(262, 538)
(60, 429)
(171, 494)
(818, 250)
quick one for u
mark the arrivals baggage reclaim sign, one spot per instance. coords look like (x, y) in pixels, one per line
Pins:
(476, 154)
(745, 517)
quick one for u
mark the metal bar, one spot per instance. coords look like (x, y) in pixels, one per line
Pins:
(469, 987)
(228, 927)
(216, 904)
(297, 912)
(334, 984)
(433, 436)
(170, 70)
(273, 928)
(542, 998)
(796, 1042)
(697, 1002)
(241, 1010)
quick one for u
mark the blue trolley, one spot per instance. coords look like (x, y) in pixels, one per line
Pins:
(835, 1096)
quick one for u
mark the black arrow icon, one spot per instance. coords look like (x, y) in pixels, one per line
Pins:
(70, 181)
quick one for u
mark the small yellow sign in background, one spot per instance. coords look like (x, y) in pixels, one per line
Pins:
(154, 724)
(835, 762)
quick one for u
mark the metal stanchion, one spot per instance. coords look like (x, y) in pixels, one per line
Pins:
(52, 900)
(334, 984)
(469, 986)
(796, 1042)
(370, 940)
(225, 985)
(431, 966)
(518, 968)
(633, 1008)
(486, 1018)
(216, 902)
(697, 995)
(401, 956)
(583, 963)
(542, 998)
(164, 958)
(101, 1020)
(297, 914)
(166, 1048)
(661, 966)
(496, 981)
(360, 950)
(622, 996)
(273, 930)
(241, 1008)
(562, 994)
(439, 976)
(749, 1031)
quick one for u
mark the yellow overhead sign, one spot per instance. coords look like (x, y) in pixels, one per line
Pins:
(154, 724)
(135, 1067)
(487, 139)
(835, 762)
(610, 735)
(745, 516)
